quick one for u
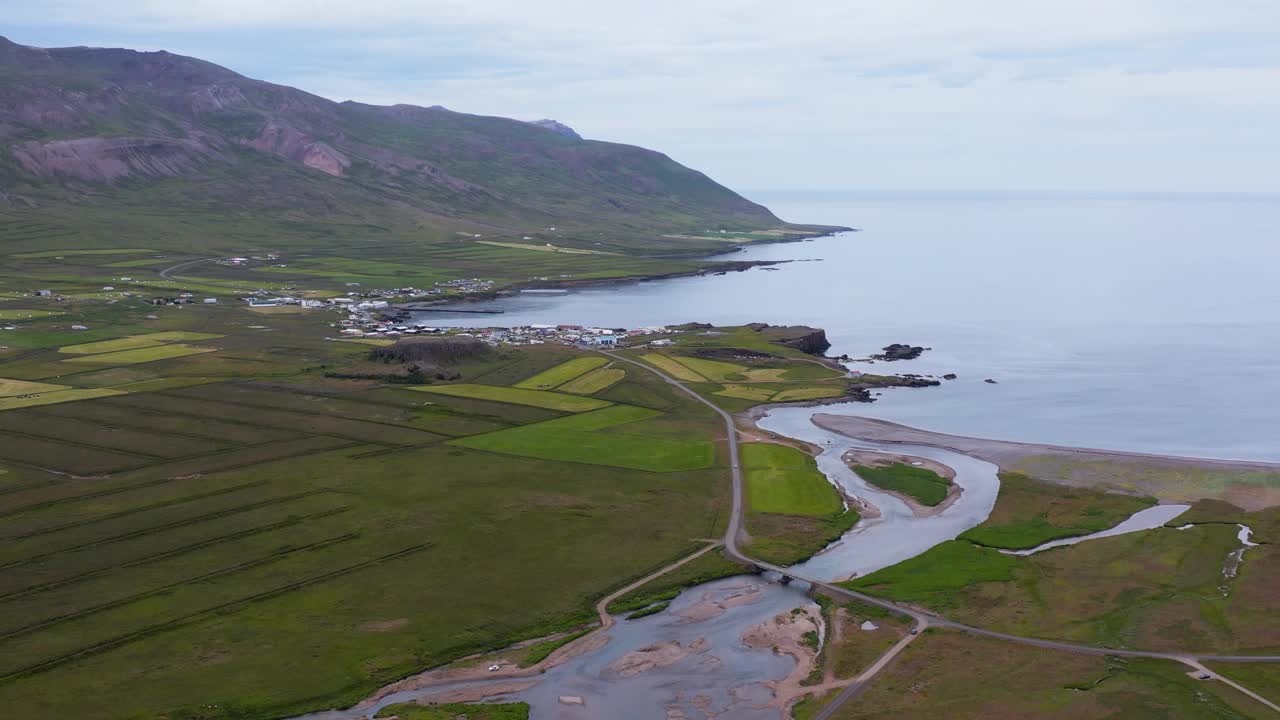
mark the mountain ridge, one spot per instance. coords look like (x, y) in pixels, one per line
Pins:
(91, 126)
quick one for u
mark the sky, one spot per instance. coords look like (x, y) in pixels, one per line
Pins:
(831, 95)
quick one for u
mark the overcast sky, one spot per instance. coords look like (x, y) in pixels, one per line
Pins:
(1087, 95)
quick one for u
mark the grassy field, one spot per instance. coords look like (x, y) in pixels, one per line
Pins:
(11, 314)
(1029, 513)
(784, 480)
(578, 439)
(518, 396)
(807, 393)
(954, 672)
(141, 355)
(562, 373)
(9, 388)
(594, 381)
(60, 396)
(672, 367)
(924, 485)
(793, 512)
(1161, 589)
(213, 518)
(746, 392)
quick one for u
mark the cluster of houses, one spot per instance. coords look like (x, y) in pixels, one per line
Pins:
(365, 326)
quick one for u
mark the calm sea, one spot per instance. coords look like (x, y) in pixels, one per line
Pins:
(1134, 323)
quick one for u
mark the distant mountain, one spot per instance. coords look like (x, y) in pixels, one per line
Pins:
(96, 126)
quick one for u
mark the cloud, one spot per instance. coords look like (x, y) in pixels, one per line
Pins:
(1090, 94)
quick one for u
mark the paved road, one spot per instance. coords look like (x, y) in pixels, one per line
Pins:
(921, 620)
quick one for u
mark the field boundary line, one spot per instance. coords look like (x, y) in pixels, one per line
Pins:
(77, 443)
(221, 572)
(197, 616)
(63, 410)
(82, 496)
(176, 552)
(324, 416)
(131, 511)
(166, 526)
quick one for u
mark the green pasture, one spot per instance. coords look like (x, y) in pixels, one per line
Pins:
(672, 367)
(141, 355)
(562, 373)
(518, 396)
(785, 480)
(924, 485)
(594, 381)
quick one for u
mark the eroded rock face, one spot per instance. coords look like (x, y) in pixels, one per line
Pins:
(290, 143)
(107, 159)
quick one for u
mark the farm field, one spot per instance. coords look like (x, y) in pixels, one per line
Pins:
(782, 479)
(793, 511)
(562, 373)
(594, 381)
(140, 355)
(178, 530)
(672, 367)
(517, 396)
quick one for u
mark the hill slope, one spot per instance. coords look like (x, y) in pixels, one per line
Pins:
(106, 128)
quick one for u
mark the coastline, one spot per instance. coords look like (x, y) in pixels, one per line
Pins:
(1247, 484)
(1004, 452)
(715, 266)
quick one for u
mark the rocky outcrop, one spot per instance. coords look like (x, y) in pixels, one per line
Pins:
(556, 127)
(861, 386)
(107, 159)
(290, 143)
(899, 351)
(797, 337)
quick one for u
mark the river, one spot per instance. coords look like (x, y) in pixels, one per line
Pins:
(1139, 324)
(1136, 324)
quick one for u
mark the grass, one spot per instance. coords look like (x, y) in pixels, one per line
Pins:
(713, 370)
(9, 388)
(141, 355)
(51, 398)
(1029, 513)
(594, 381)
(579, 439)
(709, 566)
(746, 392)
(944, 669)
(926, 486)
(25, 314)
(672, 367)
(562, 373)
(539, 652)
(929, 577)
(74, 253)
(807, 393)
(106, 346)
(785, 480)
(517, 396)
(457, 711)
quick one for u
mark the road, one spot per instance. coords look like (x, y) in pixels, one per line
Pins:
(182, 266)
(922, 620)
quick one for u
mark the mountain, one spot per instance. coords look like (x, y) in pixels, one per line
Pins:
(97, 127)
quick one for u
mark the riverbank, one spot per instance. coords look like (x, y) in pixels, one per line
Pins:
(872, 458)
(1248, 484)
